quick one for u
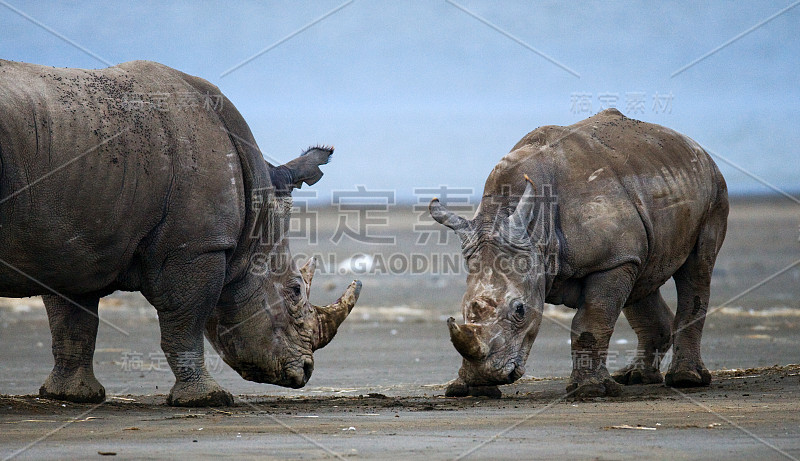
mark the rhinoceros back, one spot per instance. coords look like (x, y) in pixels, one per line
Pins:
(613, 177)
(102, 169)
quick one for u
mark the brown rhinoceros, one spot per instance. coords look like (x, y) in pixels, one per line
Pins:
(612, 208)
(139, 177)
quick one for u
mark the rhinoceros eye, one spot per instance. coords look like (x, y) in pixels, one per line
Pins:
(294, 290)
(518, 307)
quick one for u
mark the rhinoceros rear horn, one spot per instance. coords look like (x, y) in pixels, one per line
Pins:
(447, 218)
(467, 340)
(307, 271)
(522, 214)
(331, 316)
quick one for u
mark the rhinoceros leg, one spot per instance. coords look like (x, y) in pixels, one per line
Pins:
(74, 331)
(693, 282)
(184, 293)
(604, 295)
(652, 320)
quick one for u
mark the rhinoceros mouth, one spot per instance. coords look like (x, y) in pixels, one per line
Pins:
(508, 374)
(294, 376)
(516, 373)
(255, 373)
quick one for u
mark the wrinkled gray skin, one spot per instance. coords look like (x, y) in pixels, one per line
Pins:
(139, 177)
(613, 208)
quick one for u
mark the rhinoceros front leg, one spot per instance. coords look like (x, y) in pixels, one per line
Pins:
(652, 320)
(604, 295)
(184, 295)
(73, 324)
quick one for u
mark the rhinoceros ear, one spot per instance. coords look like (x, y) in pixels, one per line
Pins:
(447, 218)
(303, 169)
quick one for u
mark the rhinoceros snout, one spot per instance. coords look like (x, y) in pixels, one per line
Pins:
(510, 373)
(297, 377)
(294, 375)
(516, 373)
(479, 376)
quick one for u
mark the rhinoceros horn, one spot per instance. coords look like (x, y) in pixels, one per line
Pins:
(332, 315)
(467, 340)
(307, 272)
(447, 218)
(522, 214)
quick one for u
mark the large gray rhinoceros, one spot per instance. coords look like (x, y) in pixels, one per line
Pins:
(613, 207)
(139, 177)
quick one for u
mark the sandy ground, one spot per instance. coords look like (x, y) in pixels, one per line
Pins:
(377, 389)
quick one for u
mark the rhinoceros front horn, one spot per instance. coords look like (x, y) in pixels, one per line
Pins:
(331, 316)
(467, 340)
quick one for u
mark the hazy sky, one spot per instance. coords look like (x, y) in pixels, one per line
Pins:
(417, 94)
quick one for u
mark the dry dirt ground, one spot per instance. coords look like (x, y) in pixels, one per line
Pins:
(377, 389)
(746, 414)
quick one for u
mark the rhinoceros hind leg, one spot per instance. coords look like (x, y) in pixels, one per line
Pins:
(652, 320)
(182, 315)
(693, 283)
(458, 388)
(73, 324)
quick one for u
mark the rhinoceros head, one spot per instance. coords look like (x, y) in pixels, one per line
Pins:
(267, 329)
(506, 281)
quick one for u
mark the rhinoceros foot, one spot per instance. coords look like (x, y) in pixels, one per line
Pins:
(458, 388)
(206, 393)
(79, 386)
(492, 392)
(633, 374)
(594, 387)
(688, 377)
